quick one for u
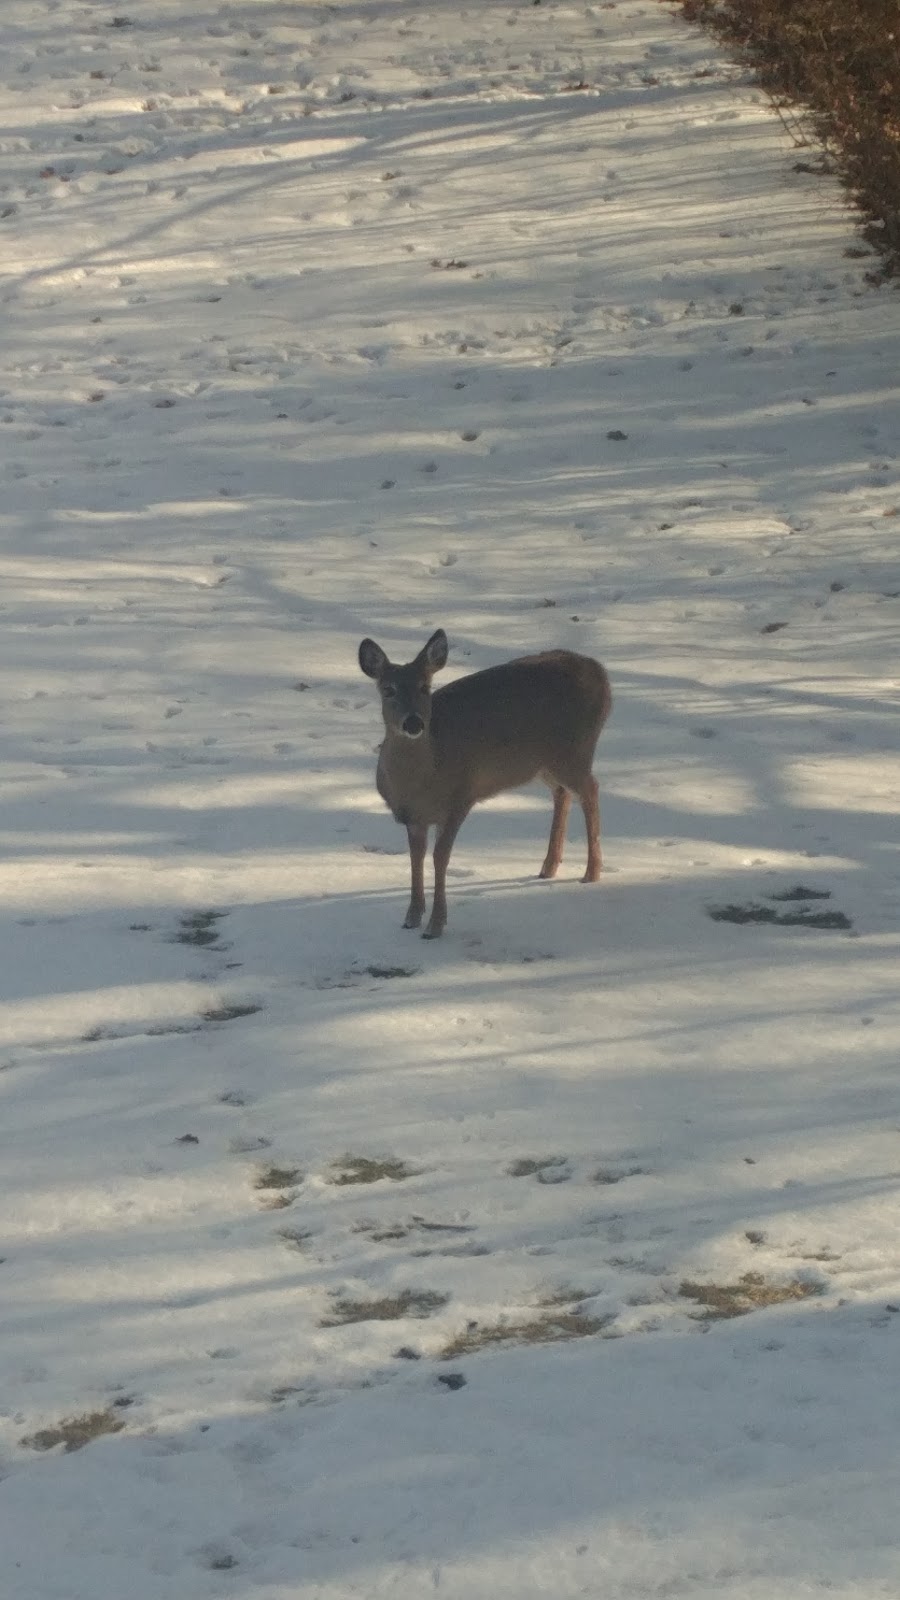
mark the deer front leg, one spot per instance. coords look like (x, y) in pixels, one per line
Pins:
(418, 844)
(442, 848)
(590, 805)
(561, 803)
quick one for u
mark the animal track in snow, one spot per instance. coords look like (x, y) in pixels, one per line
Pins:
(546, 1169)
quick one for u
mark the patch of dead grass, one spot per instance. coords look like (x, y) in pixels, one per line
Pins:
(367, 1169)
(535, 1166)
(552, 1328)
(752, 1292)
(199, 928)
(230, 1011)
(387, 1308)
(841, 59)
(275, 1177)
(74, 1432)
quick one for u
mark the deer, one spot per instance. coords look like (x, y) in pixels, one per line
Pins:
(538, 716)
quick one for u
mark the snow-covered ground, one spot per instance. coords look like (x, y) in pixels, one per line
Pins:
(392, 1268)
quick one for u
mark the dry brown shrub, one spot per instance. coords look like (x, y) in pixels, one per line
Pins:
(841, 59)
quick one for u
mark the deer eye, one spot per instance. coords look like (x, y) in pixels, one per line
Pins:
(388, 690)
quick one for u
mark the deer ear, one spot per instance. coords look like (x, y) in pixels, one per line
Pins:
(372, 658)
(435, 652)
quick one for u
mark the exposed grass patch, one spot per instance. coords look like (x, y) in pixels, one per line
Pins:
(565, 1296)
(534, 1166)
(388, 1308)
(356, 975)
(74, 1432)
(300, 1392)
(754, 912)
(751, 912)
(216, 1559)
(199, 928)
(722, 1300)
(389, 1232)
(813, 919)
(800, 891)
(274, 1177)
(155, 1030)
(425, 1226)
(615, 1174)
(842, 60)
(230, 1012)
(368, 1169)
(553, 1328)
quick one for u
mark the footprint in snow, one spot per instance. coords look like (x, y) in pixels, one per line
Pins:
(295, 1238)
(247, 1144)
(545, 1169)
(393, 1232)
(217, 1559)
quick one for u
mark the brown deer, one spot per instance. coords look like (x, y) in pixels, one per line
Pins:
(535, 717)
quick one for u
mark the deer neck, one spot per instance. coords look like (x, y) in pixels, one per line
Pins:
(408, 777)
(405, 757)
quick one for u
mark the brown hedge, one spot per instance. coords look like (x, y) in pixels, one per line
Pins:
(841, 58)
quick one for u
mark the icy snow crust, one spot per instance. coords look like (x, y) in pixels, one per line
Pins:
(382, 1268)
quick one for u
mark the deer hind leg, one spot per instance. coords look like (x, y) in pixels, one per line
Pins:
(418, 844)
(588, 794)
(442, 848)
(562, 800)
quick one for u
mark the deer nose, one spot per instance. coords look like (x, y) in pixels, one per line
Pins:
(413, 725)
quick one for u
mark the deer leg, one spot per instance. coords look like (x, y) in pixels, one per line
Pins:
(442, 848)
(418, 844)
(561, 803)
(590, 805)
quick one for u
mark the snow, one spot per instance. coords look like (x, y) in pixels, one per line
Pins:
(518, 320)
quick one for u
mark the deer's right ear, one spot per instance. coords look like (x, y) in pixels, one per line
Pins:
(372, 658)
